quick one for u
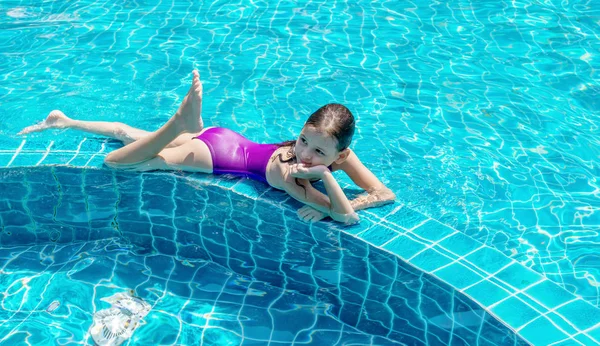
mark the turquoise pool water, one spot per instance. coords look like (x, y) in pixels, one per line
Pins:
(211, 274)
(193, 302)
(482, 115)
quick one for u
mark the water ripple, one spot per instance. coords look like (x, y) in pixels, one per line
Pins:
(483, 115)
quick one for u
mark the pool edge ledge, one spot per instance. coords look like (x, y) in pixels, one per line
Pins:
(534, 307)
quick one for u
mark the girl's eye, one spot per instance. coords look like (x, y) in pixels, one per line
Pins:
(303, 140)
(320, 152)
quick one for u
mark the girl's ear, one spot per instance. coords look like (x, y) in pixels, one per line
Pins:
(342, 156)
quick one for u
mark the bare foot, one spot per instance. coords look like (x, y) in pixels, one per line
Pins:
(55, 120)
(188, 116)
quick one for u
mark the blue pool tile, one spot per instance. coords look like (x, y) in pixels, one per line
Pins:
(460, 244)
(584, 339)
(561, 323)
(56, 159)
(17, 235)
(30, 146)
(488, 259)
(97, 161)
(542, 332)
(249, 188)
(80, 160)
(386, 209)
(430, 260)
(364, 224)
(532, 303)
(192, 251)
(5, 159)
(16, 218)
(549, 294)
(373, 325)
(404, 247)
(433, 231)
(227, 181)
(405, 218)
(487, 293)
(518, 276)
(514, 312)
(90, 146)
(27, 159)
(581, 313)
(595, 332)
(350, 314)
(458, 275)
(352, 295)
(378, 235)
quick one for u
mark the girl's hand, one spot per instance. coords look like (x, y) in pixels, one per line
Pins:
(310, 214)
(299, 170)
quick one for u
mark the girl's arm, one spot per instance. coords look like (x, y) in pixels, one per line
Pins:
(334, 204)
(377, 193)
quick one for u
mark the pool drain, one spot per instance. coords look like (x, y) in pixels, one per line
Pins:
(112, 326)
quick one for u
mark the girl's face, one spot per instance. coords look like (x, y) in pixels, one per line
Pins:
(315, 148)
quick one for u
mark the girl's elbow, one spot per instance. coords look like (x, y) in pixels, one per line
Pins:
(388, 195)
(348, 219)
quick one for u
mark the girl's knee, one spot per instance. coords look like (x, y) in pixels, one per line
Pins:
(115, 160)
(111, 161)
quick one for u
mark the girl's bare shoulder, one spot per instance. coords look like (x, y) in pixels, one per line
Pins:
(278, 167)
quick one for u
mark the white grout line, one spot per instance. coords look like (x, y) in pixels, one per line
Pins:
(572, 337)
(462, 290)
(429, 246)
(101, 150)
(546, 314)
(418, 225)
(35, 151)
(517, 291)
(77, 152)
(460, 258)
(592, 327)
(16, 153)
(389, 241)
(395, 210)
(382, 219)
(46, 154)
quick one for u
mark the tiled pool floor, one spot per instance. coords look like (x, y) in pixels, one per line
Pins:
(193, 302)
(171, 213)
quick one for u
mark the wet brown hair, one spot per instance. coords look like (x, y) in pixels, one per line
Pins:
(333, 119)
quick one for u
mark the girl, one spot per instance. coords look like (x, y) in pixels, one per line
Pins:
(184, 144)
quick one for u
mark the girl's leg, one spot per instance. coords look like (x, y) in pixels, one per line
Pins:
(192, 156)
(186, 119)
(58, 120)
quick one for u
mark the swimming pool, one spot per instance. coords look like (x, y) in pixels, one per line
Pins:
(480, 116)
(218, 268)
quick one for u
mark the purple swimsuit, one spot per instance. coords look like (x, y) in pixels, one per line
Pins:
(232, 153)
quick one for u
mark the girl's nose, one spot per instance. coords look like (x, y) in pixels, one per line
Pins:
(304, 157)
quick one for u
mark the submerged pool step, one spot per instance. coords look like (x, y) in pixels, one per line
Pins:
(534, 307)
(27, 153)
(365, 288)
